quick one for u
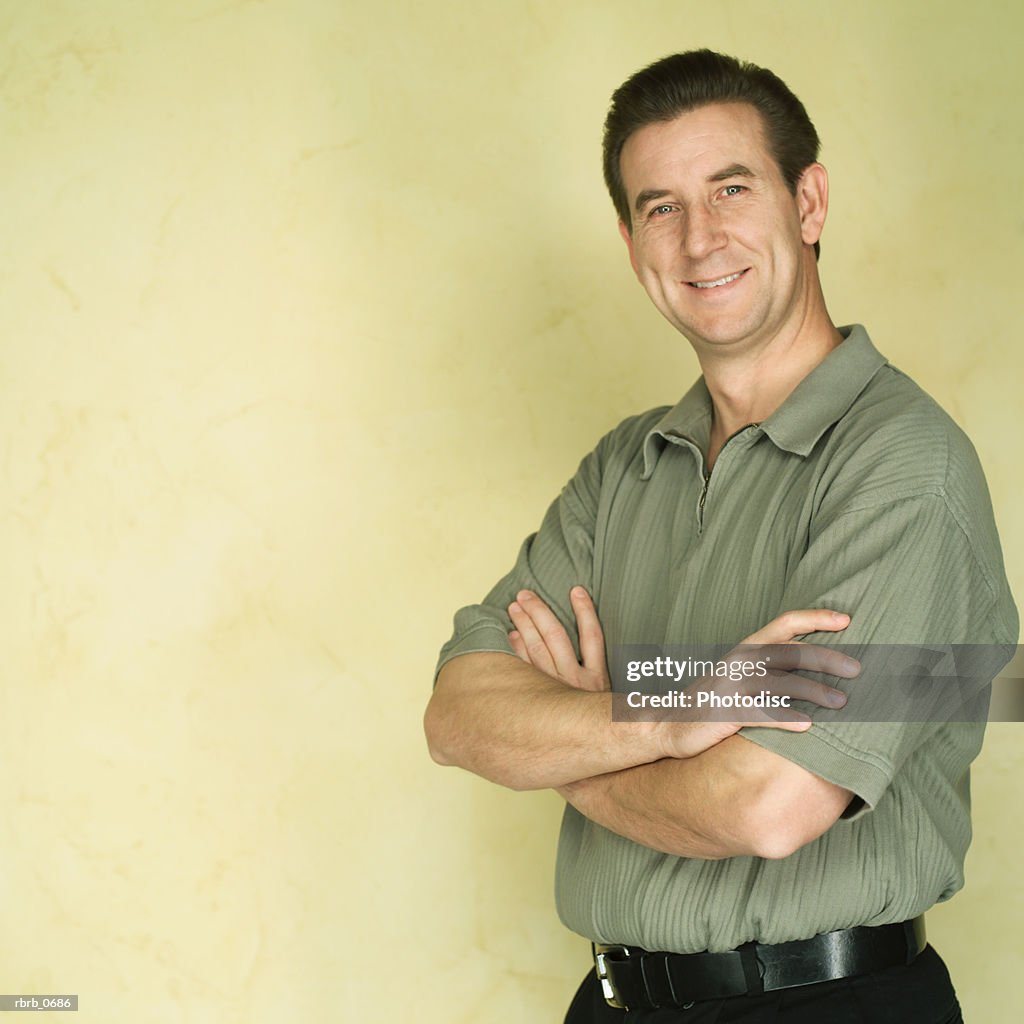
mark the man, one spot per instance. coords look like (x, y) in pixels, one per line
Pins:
(778, 873)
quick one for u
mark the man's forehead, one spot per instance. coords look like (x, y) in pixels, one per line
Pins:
(706, 141)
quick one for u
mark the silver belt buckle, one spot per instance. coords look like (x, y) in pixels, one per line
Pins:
(611, 997)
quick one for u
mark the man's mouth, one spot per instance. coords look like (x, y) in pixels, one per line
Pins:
(728, 279)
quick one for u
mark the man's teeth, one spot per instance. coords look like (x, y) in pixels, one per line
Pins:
(715, 284)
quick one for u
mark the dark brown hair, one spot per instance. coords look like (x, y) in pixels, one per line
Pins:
(686, 81)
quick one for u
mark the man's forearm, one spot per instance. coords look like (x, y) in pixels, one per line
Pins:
(735, 799)
(498, 717)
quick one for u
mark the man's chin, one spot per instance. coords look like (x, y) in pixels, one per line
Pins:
(717, 338)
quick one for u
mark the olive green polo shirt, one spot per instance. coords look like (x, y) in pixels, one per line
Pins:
(858, 494)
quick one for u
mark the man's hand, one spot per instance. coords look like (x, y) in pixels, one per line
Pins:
(540, 640)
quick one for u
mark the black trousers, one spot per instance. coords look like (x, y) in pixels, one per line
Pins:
(919, 993)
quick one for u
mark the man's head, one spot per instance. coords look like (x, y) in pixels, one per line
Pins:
(711, 164)
(687, 81)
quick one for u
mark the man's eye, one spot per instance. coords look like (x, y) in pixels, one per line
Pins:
(733, 190)
(664, 208)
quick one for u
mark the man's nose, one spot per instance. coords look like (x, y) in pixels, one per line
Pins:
(702, 232)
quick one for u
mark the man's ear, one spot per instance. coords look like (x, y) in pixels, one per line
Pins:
(812, 202)
(627, 237)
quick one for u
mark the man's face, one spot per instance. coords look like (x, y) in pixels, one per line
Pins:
(717, 239)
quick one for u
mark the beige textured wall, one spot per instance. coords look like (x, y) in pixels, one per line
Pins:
(308, 308)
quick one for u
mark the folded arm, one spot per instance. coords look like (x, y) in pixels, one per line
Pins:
(729, 799)
(733, 800)
(543, 719)
(688, 788)
(512, 724)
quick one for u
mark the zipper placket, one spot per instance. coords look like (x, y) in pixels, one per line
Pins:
(707, 477)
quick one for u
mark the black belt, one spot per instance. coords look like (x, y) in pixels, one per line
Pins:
(633, 978)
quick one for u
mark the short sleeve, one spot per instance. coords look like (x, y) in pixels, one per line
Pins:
(907, 573)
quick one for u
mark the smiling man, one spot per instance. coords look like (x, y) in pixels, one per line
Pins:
(781, 872)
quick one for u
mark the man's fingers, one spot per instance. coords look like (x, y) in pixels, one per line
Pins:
(790, 625)
(772, 707)
(515, 638)
(797, 687)
(591, 634)
(550, 632)
(798, 725)
(779, 685)
(803, 658)
(537, 653)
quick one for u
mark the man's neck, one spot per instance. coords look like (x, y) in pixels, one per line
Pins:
(748, 388)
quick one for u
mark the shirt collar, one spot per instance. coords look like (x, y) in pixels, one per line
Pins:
(821, 399)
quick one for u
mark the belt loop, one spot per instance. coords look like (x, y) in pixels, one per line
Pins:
(753, 972)
(654, 980)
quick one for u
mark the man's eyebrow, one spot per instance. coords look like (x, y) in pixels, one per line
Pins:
(648, 194)
(732, 171)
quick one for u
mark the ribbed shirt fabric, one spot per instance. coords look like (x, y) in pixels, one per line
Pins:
(858, 494)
